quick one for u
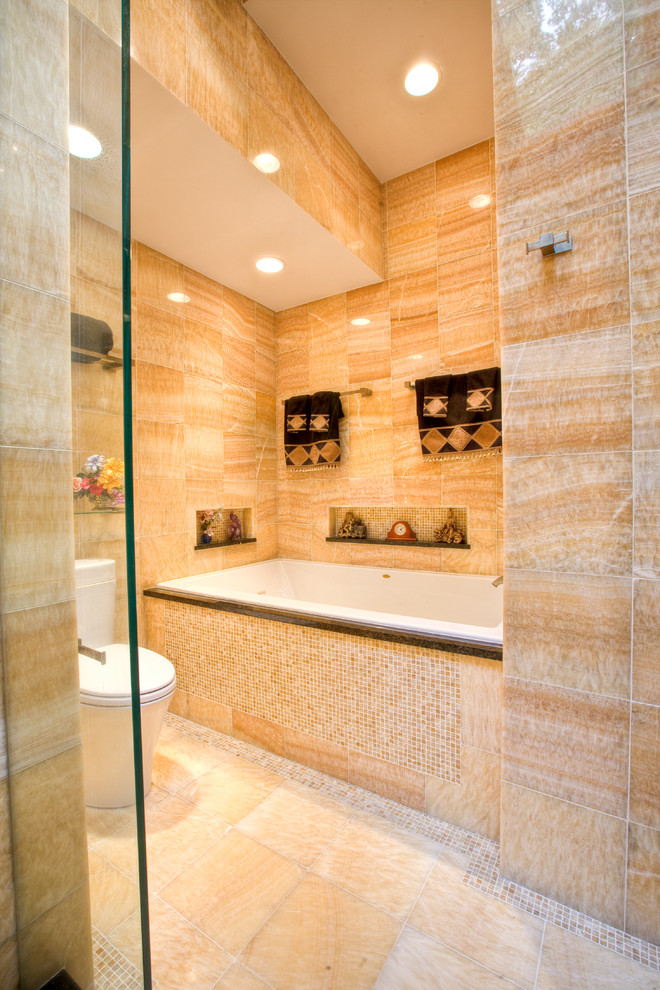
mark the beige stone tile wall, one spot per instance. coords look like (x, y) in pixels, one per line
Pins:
(97, 393)
(218, 61)
(418, 726)
(575, 150)
(43, 857)
(436, 311)
(204, 419)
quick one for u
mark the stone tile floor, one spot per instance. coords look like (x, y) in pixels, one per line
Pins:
(264, 875)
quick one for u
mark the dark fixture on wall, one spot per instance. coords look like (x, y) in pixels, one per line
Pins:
(91, 341)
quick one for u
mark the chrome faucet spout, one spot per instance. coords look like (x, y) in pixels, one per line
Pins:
(497, 582)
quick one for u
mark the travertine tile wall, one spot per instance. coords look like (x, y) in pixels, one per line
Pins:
(216, 60)
(43, 828)
(204, 420)
(576, 147)
(436, 310)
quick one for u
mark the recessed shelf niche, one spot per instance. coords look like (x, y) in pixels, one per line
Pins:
(423, 520)
(219, 527)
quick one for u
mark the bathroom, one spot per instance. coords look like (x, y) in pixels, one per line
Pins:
(568, 514)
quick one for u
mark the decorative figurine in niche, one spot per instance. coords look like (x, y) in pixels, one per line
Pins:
(359, 530)
(352, 528)
(234, 528)
(206, 520)
(402, 531)
(449, 533)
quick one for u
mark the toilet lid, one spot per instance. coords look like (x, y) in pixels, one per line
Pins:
(109, 684)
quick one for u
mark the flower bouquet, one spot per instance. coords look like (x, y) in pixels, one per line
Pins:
(206, 519)
(101, 482)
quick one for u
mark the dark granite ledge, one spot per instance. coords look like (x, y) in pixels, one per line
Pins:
(347, 626)
(225, 543)
(435, 545)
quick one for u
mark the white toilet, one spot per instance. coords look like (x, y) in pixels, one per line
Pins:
(105, 693)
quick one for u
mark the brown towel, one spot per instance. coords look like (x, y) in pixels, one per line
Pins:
(471, 419)
(311, 431)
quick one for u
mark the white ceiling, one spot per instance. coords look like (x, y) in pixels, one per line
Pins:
(353, 55)
(196, 199)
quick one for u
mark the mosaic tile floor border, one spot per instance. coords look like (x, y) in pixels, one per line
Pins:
(112, 970)
(483, 868)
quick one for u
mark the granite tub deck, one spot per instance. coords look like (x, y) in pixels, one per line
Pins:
(407, 706)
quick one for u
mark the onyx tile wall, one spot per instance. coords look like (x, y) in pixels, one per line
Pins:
(216, 60)
(437, 309)
(97, 393)
(204, 421)
(42, 826)
(576, 150)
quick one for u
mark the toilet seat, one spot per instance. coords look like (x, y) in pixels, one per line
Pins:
(108, 685)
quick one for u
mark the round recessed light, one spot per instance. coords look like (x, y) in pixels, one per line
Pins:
(82, 143)
(270, 265)
(421, 79)
(266, 162)
(360, 322)
(478, 202)
(179, 297)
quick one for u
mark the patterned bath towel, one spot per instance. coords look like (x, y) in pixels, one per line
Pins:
(311, 431)
(460, 413)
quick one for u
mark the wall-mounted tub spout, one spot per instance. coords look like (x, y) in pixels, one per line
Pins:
(497, 582)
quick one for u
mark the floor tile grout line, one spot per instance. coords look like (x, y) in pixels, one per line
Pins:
(446, 834)
(538, 964)
(192, 924)
(422, 888)
(459, 952)
(187, 869)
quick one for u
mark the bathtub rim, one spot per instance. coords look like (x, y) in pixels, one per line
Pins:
(442, 641)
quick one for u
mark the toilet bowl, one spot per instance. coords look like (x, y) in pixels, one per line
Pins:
(105, 693)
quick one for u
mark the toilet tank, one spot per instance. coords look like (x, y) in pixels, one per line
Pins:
(95, 599)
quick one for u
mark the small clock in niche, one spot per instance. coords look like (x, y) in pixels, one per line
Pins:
(402, 531)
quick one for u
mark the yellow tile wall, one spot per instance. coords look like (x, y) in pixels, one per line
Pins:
(436, 311)
(43, 856)
(580, 811)
(218, 61)
(204, 419)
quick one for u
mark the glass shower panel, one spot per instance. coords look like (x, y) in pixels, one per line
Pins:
(104, 564)
(72, 869)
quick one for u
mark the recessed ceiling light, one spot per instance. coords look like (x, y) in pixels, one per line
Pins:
(179, 297)
(360, 322)
(478, 202)
(421, 79)
(82, 143)
(266, 162)
(270, 265)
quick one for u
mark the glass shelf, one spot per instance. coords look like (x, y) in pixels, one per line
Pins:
(99, 512)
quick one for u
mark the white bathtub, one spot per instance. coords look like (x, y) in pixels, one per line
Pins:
(455, 607)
